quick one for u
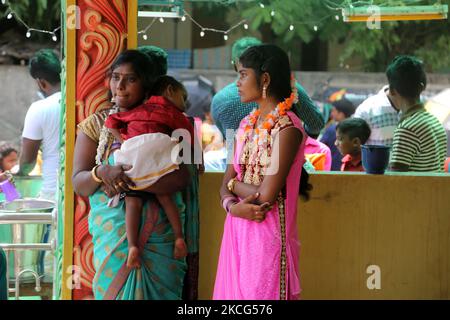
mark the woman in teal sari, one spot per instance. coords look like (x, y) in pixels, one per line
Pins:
(161, 276)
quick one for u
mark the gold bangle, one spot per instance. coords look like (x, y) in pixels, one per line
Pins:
(231, 183)
(94, 174)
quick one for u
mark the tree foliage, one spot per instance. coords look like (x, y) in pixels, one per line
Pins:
(429, 40)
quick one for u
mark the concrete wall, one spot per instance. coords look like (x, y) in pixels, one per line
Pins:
(400, 223)
(311, 80)
(17, 93)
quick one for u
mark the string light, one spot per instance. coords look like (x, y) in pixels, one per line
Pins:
(225, 37)
(203, 29)
(12, 14)
(144, 32)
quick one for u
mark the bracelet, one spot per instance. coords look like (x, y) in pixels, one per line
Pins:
(231, 183)
(94, 174)
(227, 200)
(230, 205)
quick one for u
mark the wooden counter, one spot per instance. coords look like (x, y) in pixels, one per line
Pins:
(400, 223)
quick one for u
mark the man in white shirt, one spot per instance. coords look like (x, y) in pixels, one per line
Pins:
(381, 115)
(42, 122)
(41, 127)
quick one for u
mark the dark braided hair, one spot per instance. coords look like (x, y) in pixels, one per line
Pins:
(273, 60)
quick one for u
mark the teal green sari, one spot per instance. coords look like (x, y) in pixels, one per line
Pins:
(160, 277)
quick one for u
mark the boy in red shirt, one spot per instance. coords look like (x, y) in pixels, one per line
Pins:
(350, 135)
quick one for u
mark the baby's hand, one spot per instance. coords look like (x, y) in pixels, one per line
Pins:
(6, 176)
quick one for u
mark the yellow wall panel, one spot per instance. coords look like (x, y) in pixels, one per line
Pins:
(399, 223)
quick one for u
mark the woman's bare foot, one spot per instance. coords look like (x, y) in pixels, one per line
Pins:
(180, 249)
(133, 260)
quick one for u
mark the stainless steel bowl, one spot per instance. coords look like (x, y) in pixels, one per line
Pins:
(27, 205)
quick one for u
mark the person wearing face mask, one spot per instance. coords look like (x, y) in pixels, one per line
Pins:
(42, 122)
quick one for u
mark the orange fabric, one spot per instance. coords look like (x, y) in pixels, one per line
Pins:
(317, 160)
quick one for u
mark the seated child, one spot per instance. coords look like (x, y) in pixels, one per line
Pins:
(351, 133)
(8, 161)
(9, 156)
(148, 147)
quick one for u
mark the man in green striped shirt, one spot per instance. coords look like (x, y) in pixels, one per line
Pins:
(420, 141)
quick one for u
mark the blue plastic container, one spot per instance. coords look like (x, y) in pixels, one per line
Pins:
(375, 158)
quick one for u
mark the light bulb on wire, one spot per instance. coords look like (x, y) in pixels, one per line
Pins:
(28, 34)
(183, 18)
(316, 28)
(3, 1)
(225, 37)
(54, 37)
(161, 20)
(261, 5)
(9, 16)
(272, 13)
(202, 33)
(337, 17)
(245, 26)
(291, 27)
(145, 37)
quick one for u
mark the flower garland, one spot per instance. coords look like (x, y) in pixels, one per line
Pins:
(257, 148)
(271, 118)
(104, 138)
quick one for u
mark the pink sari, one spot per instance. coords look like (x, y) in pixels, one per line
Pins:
(259, 261)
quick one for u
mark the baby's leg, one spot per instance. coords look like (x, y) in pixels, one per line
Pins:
(133, 208)
(169, 206)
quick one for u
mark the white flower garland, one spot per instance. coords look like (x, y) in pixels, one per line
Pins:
(104, 137)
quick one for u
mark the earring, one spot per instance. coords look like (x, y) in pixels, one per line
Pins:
(113, 99)
(264, 93)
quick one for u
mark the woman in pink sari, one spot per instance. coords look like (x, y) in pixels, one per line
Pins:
(260, 248)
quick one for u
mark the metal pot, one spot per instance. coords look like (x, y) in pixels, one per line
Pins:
(26, 220)
(27, 205)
